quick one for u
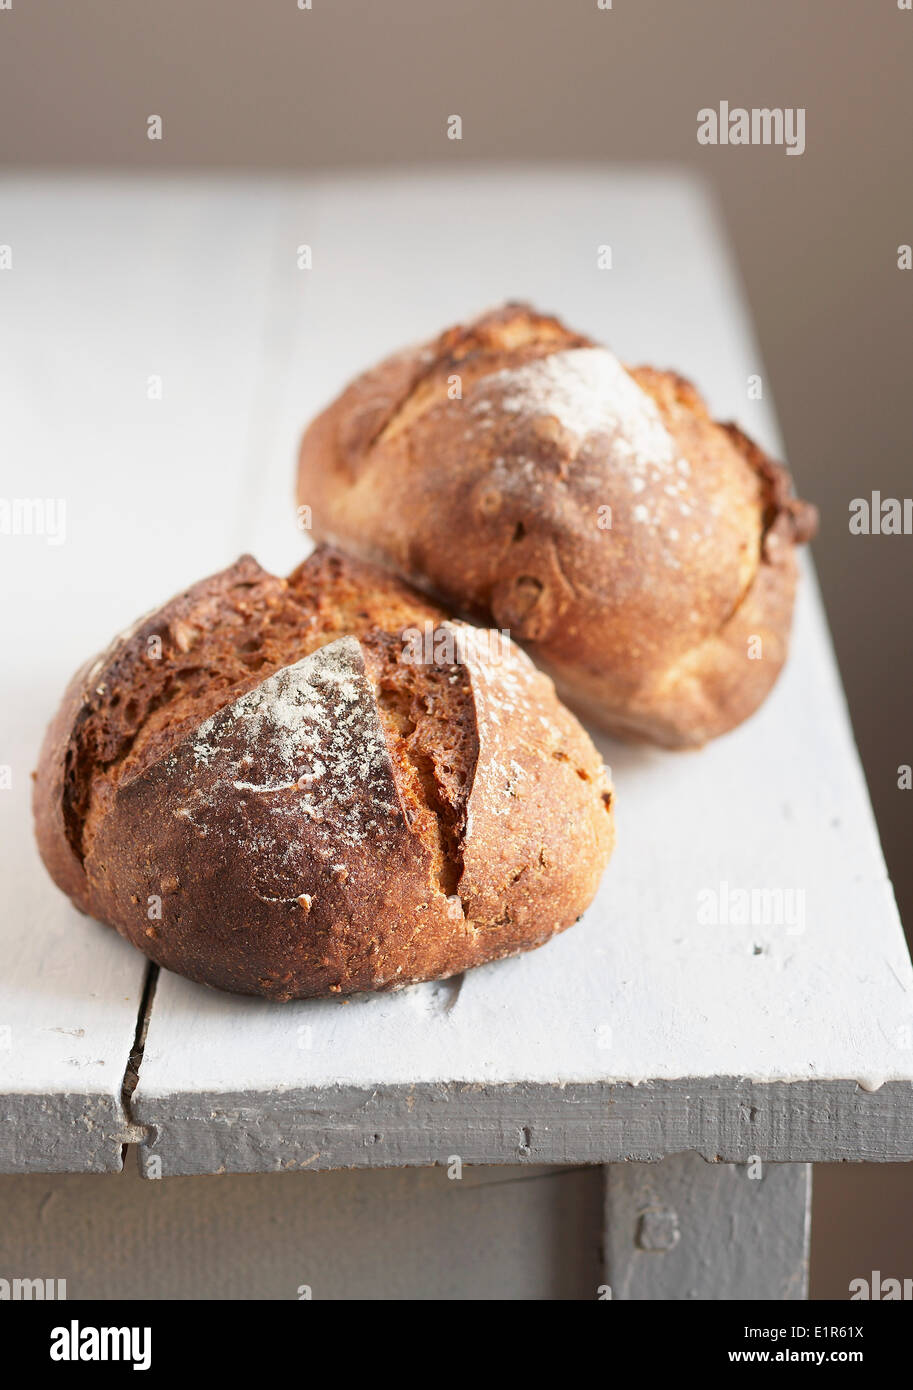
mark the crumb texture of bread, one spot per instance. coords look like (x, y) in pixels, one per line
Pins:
(644, 553)
(263, 787)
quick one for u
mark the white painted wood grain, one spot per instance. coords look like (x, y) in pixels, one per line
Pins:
(639, 991)
(110, 284)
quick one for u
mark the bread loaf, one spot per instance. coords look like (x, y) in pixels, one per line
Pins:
(318, 785)
(522, 475)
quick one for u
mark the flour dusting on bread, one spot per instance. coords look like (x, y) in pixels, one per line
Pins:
(588, 391)
(316, 732)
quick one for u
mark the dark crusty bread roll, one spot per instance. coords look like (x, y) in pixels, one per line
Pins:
(317, 785)
(520, 473)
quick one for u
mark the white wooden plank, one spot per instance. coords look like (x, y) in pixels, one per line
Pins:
(664, 1033)
(111, 283)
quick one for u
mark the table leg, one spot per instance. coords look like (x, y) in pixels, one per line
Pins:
(687, 1229)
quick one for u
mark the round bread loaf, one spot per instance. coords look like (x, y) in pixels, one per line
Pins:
(520, 473)
(318, 785)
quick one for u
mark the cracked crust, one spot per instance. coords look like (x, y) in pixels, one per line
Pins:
(263, 788)
(643, 553)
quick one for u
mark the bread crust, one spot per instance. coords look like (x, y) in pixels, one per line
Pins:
(643, 553)
(334, 823)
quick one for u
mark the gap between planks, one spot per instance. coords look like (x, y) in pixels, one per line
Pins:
(134, 1133)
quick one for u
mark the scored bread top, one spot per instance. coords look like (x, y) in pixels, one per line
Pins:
(596, 511)
(181, 663)
(311, 810)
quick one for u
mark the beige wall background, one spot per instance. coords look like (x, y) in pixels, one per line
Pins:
(352, 83)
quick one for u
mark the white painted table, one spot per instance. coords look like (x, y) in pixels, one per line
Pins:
(643, 1033)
